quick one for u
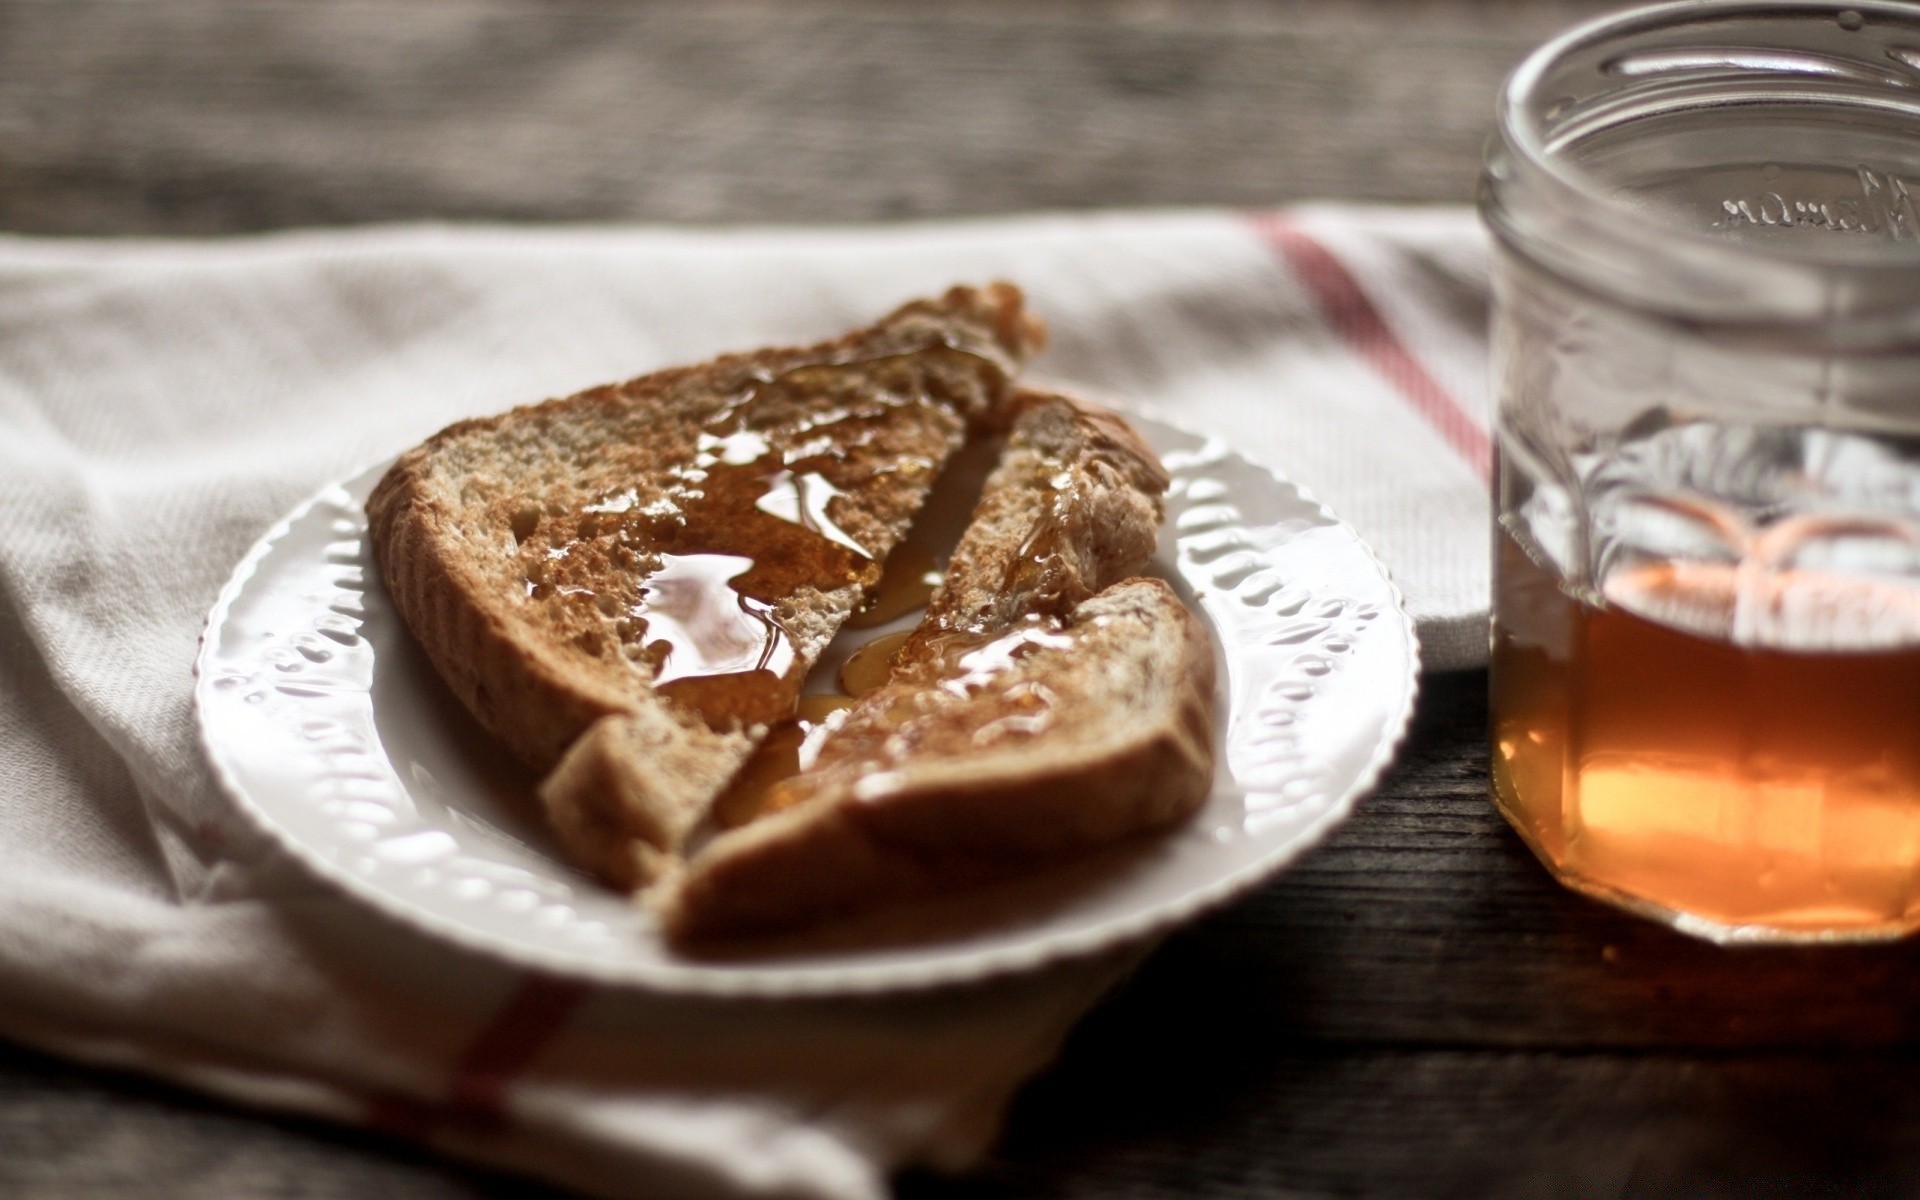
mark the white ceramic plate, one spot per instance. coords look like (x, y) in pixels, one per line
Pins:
(329, 728)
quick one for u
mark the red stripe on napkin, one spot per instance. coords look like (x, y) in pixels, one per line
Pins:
(1359, 323)
(503, 1048)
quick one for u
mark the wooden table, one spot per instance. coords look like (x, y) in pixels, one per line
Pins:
(1416, 1010)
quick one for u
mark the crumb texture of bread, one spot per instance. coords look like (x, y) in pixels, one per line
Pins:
(629, 789)
(1073, 507)
(1047, 705)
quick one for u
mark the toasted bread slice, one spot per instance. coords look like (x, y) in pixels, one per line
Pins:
(676, 550)
(1045, 742)
(1040, 709)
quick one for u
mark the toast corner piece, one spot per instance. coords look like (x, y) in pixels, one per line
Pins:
(624, 796)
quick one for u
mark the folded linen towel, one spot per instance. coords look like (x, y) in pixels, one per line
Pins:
(162, 402)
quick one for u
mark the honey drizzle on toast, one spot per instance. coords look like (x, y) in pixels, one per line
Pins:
(777, 759)
(757, 517)
(912, 574)
(953, 658)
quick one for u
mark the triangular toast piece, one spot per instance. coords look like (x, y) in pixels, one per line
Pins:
(678, 549)
(1046, 706)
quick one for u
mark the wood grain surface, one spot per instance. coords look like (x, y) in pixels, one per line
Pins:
(1416, 1010)
(201, 117)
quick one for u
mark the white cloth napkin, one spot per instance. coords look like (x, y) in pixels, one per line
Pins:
(161, 403)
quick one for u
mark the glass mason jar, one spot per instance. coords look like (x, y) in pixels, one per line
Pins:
(1706, 636)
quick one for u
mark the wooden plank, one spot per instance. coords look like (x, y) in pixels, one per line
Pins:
(198, 116)
(1191, 1113)
(1139, 1111)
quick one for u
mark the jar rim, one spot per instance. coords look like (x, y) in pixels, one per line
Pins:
(1523, 125)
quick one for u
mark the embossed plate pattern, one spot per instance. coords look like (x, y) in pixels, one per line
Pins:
(329, 728)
